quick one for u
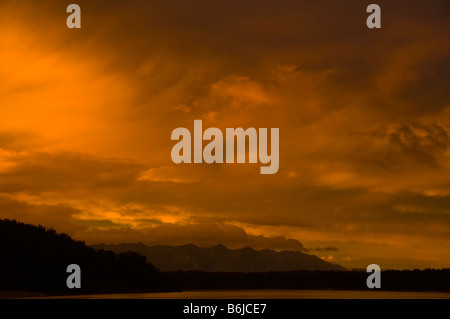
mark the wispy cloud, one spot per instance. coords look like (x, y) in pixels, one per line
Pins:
(86, 118)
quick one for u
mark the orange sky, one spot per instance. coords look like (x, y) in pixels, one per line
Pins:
(364, 119)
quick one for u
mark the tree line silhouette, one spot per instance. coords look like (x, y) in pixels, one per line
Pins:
(35, 259)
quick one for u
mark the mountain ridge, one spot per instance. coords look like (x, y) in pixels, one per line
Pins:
(222, 259)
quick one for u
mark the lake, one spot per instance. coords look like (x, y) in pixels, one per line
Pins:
(269, 294)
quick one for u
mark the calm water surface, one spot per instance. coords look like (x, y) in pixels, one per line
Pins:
(272, 294)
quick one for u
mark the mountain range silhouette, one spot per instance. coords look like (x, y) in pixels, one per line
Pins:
(219, 258)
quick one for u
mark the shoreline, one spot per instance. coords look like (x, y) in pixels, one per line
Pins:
(241, 294)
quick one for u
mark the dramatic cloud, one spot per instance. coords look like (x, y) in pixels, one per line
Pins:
(87, 115)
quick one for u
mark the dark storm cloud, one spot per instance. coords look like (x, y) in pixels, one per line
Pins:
(422, 142)
(40, 172)
(204, 235)
(363, 115)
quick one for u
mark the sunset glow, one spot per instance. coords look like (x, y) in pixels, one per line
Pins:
(363, 117)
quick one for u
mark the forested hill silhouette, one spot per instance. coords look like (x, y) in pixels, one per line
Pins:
(35, 259)
(219, 258)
